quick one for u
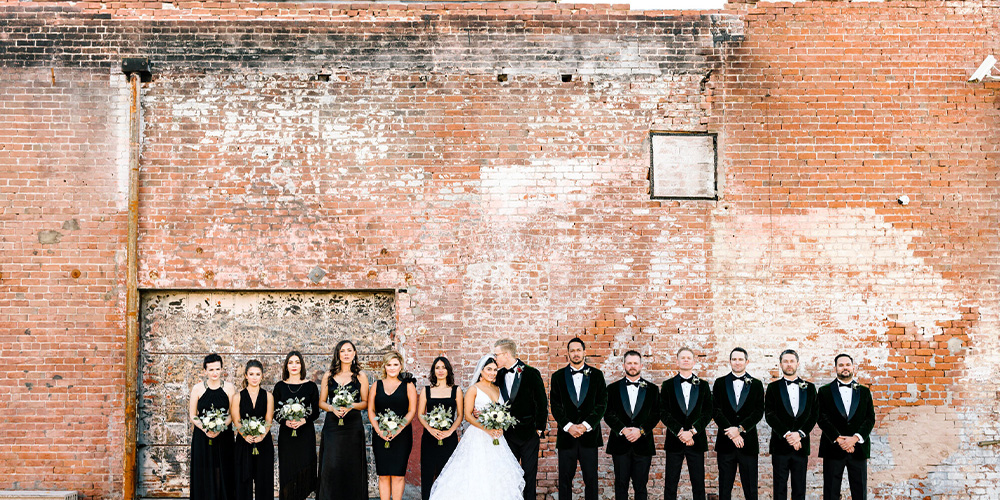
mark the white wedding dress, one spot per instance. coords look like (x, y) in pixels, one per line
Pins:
(479, 469)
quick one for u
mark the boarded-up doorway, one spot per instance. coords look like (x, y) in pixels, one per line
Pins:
(180, 327)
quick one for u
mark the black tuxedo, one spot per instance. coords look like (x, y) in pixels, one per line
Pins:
(530, 407)
(677, 417)
(588, 407)
(744, 411)
(632, 460)
(778, 412)
(837, 420)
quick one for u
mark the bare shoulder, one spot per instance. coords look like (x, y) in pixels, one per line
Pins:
(198, 389)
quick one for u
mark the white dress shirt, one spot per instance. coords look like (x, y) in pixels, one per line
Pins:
(633, 394)
(793, 397)
(738, 389)
(847, 396)
(508, 378)
(686, 386)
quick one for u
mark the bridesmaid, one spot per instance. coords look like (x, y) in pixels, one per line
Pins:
(343, 459)
(211, 452)
(296, 454)
(254, 473)
(398, 394)
(442, 391)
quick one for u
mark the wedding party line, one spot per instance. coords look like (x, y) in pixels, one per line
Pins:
(507, 408)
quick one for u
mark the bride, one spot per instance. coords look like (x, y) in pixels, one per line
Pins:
(479, 469)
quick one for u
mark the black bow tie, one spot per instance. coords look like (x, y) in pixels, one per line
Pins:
(687, 380)
(791, 382)
(745, 378)
(636, 383)
(841, 384)
(573, 371)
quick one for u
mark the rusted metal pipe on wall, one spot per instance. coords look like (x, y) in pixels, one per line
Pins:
(132, 296)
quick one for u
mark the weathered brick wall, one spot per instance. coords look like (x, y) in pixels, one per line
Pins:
(513, 208)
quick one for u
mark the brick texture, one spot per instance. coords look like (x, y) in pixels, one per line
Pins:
(436, 148)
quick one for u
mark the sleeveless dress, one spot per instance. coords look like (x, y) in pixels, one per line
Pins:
(433, 456)
(343, 462)
(297, 454)
(212, 464)
(254, 473)
(479, 469)
(392, 461)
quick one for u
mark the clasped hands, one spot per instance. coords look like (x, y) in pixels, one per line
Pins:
(847, 443)
(794, 439)
(632, 434)
(577, 430)
(734, 434)
(295, 424)
(686, 437)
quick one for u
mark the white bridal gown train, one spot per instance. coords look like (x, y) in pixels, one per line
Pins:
(479, 469)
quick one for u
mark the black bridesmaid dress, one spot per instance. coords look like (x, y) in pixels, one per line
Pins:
(212, 464)
(343, 462)
(254, 473)
(391, 461)
(433, 456)
(297, 454)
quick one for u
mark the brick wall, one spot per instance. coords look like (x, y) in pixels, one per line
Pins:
(378, 144)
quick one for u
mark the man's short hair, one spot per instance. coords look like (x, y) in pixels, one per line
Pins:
(632, 353)
(682, 349)
(739, 349)
(842, 355)
(508, 346)
(788, 351)
(576, 340)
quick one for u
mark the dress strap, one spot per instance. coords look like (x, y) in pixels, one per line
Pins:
(454, 391)
(428, 392)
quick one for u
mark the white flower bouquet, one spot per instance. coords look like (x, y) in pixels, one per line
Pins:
(213, 420)
(253, 427)
(496, 416)
(390, 423)
(343, 398)
(293, 409)
(440, 419)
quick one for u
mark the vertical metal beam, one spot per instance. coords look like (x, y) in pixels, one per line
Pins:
(132, 297)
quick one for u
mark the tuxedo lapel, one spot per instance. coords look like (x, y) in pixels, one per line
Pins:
(638, 400)
(623, 392)
(783, 390)
(854, 403)
(837, 400)
(679, 394)
(503, 385)
(517, 380)
(802, 400)
(570, 387)
(693, 398)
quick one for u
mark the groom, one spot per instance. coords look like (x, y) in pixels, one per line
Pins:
(522, 386)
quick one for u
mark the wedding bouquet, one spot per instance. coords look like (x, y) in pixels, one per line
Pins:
(496, 416)
(389, 423)
(293, 409)
(343, 398)
(440, 419)
(253, 427)
(213, 420)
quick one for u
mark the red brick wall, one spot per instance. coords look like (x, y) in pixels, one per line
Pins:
(515, 208)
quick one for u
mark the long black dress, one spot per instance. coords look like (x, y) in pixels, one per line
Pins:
(343, 462)
(297, 454)
(391, 461)
(212, 464)
(433, 456)
(254, 473)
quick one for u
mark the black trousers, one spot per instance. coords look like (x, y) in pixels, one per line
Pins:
(526, 451)
(790, 465)
(833, 477)
(729, 463)
(568, 458)
(634, 468)
(696, 470)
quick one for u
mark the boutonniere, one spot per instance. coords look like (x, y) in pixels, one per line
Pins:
(803, 385)
(586, 372)
(855, 385)
(642, 384)
(695, 380)
(519, 369)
